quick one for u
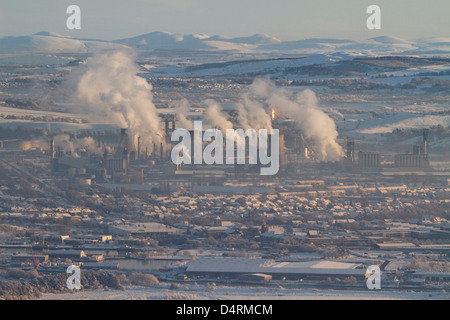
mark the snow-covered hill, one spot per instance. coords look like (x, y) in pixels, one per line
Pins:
(164, 40)
(48, 42)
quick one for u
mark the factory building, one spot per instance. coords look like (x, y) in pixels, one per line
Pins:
(59, 162)
(368, 160)
(418, 159)
(111, 163)
(119, 161)
(295, 148)
(143, 229)
(115, 164)
(29, 258)
(410, 161)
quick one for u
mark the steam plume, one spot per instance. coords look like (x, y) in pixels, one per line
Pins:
(216, 117)
(316, 125)
(251, 114)
(73, 146)
(181, 110)
(110, 87)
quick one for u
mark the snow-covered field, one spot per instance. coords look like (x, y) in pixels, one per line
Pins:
(7, 111)
(219, 292)
(404, 121)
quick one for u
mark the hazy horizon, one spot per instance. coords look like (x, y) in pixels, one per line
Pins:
(40, 32)
(212, 35)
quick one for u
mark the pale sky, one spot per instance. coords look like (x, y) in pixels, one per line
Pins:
(283, 19)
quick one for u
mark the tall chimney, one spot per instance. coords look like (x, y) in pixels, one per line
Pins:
(425, 142)
(350, 149)
(166, 129)
(124, 139)
(138, 148)
(52, 149)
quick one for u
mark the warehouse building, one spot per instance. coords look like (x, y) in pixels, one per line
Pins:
(66, 254)
(29, 258)
(243, 267)
(143, 229)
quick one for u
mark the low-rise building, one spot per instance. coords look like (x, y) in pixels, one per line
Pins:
(143, 229)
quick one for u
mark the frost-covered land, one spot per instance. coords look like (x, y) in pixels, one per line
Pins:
(219, 292)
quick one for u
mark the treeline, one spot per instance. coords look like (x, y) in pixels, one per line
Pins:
(438, 131)
(32, 286)
(349, 84)
(401, 62)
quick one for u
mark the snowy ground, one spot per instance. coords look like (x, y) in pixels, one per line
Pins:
(206, 292)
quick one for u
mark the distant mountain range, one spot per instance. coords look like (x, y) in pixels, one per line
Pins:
(48, 42)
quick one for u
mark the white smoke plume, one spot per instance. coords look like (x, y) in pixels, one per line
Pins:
(87, 144)
(219, 120)
(74, 146)
(216, 117)
(114, 93)
(252, 114)
(181, 110)
(316, 125)
(64, 144)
